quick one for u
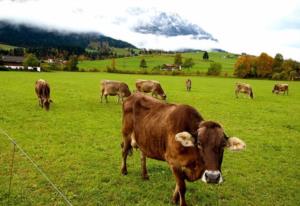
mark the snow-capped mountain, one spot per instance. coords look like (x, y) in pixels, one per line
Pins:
(171, 25)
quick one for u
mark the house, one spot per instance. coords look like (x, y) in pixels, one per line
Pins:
(171, 67)
(16, 62)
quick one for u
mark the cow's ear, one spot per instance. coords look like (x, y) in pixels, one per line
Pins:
(185, 139)
(235, 144)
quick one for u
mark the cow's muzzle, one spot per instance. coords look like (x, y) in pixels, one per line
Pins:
(212, 176)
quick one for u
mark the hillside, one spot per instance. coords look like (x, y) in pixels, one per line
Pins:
(132, 63)
(24, 35)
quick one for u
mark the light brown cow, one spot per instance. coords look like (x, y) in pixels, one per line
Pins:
(113, 88)
(243, 88)
(152, 86)
(177, 134)
(42, 90)
(188, 84)
(281, 88)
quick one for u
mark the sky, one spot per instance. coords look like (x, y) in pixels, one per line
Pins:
(252, 27)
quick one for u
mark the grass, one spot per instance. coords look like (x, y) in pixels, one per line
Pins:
(6, 47)
(77, 143)
(133, 63)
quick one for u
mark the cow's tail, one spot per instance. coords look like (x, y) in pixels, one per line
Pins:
(251, 94)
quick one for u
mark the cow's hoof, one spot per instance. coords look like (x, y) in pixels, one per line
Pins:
(175, 200)
(124, 172)
(145, 177)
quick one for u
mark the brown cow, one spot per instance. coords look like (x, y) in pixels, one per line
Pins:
(113, 88)
(281, 88)
(152, 86)
(42, 90)
(178, 135)
(243, 88)
(188, 84)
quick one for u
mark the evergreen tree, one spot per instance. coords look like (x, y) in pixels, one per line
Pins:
(143, 63)
(205, 56)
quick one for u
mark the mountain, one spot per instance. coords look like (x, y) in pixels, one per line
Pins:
(25, 35)
(170, 25)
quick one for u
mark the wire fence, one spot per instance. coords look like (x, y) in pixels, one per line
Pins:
(33, 163)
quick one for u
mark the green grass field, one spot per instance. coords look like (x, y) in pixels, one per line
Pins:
(133, 63)
(77, 143)
(6, 47)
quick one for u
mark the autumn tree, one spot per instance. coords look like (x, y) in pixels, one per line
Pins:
(264, 65)
(244, 66)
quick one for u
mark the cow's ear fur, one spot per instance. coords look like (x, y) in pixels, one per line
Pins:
(235, 144)
(185, 139)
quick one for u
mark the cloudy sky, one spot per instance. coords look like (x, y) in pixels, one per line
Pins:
(239, 26)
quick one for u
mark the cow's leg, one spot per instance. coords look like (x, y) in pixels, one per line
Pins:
(102, 92)
(126, 147)
(144, 167)
(179, 193)
(236, 93)
(105, 95)
(118, 98)
(40, 101)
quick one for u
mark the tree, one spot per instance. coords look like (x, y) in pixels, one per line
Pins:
(113, 64)
(277, 64)
(178, 59)
(205, 56)
(143, 63)
(188, 63)
(214, 69)
(244, 66)
(72, 63)
(31, 60)
(264, 65)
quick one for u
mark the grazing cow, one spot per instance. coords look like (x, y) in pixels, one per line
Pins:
(177, 134)
(113, 88)
(188, 84)
(152, 86)
(281, 88)
(243, 88)
(42, 90)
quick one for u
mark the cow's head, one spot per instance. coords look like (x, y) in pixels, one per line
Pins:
(160, 92)
(125, 90)
(211, 141)
(46, 103)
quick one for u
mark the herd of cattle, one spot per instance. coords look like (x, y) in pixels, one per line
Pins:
(192, 146)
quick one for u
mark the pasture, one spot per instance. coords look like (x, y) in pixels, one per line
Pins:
(133, 63)
(77, 143)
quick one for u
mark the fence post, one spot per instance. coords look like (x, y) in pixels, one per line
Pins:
(11, 171)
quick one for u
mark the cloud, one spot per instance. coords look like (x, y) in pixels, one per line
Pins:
(241, 26)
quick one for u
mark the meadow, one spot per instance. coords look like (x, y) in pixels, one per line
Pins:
(77, 143)
(133, 63)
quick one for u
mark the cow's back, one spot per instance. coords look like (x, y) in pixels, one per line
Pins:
(110, 86)
(42, 88)
(154, 124)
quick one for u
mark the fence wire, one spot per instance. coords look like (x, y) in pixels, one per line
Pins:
(67, 201)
